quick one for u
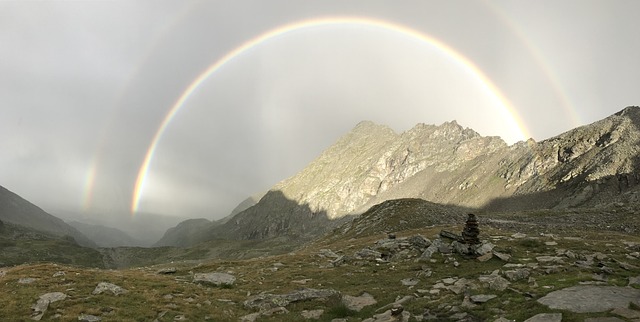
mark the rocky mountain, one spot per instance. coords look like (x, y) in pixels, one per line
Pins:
(14, 209)
(448, 164)
(105, 236)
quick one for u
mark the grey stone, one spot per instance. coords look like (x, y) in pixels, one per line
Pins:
(545, 317)
(250, 317)
(312, 314)
(603, 319)
(502, 256)
(590, 299)
(108, 287)
(634, 280)
(388, 316)
(26, 280)
(89, 318)
(485, 248)
(627, 313)
(517, 275)
(410, 281)
(217, 279)
(518, 235)
(43, 303)
(328, 253)
(494, 281)
(167, 270)
(550, 259)
(367, 253)
(59, 273)
(266, 301)
(275, 311)
(419, 241)
(357, 303)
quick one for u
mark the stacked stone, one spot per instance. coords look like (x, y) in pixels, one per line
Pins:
(471, 231)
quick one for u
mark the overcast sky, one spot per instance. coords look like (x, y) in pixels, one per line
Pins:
(85, 86)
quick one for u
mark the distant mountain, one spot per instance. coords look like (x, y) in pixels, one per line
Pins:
(448, 164)
(186, 233)
(105, 236)
(14, 209)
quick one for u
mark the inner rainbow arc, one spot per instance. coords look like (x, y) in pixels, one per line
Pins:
(506, 108)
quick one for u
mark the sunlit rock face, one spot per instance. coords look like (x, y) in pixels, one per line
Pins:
(449, 164)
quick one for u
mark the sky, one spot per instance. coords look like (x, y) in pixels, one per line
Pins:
(112, 109)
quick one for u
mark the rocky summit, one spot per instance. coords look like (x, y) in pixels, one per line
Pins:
(588, 166)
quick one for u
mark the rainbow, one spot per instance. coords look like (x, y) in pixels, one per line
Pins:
(506, 109)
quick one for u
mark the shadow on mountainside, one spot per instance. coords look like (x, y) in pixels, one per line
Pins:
(275, 215)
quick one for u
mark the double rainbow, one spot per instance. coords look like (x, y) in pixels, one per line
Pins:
(505, 108)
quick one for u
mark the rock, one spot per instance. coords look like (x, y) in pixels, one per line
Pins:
(503, 257)
(418, 241)
(501, 319)
(410, 281)
(400, 302)
(3, 274)
(88, 318)
(545, 317)
(551, 243)
(217, 279)
(43, 303)
(59, 273)
(389, 316)
(312, 314)
(108, 287)
(432, 249)
(26, 280)
(634, 280)
(275, 311)
(327, 253)
(627, 313)
(266, 301)
(590, 299)
(367, 253)
(250, 317)
(485, 248)
(550, 259)
(485, 257)
(167, 270)
(357, 303)
(482, 298)
(518, 274)
(494, 281)
(518, 235)
(603, 319)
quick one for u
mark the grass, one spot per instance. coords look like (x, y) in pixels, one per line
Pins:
(165, 297)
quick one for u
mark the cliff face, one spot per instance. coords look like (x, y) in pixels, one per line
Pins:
(448, 164)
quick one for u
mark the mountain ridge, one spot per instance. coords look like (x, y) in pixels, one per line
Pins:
(448, 164)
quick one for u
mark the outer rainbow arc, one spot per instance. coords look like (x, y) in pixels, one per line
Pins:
(506, 108)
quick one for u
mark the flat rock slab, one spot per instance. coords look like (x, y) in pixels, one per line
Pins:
(357, 303)
(545, 317)
(217, 279)
(590, 298)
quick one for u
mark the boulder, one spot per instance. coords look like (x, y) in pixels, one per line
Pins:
(267, 301)
(103, 287)
(217, 279)
(357, 303)
(545, 317)
(591, 299)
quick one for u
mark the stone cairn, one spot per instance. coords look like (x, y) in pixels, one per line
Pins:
(471, 231)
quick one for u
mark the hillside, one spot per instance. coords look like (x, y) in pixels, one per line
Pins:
(552, 265)
(447, 164)
(14, 209)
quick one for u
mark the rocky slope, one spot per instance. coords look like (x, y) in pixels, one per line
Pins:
(14, 209)
(448, 164)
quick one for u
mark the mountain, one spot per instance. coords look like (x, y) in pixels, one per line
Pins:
(451, 165)
(105, 236)
(14, 209)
